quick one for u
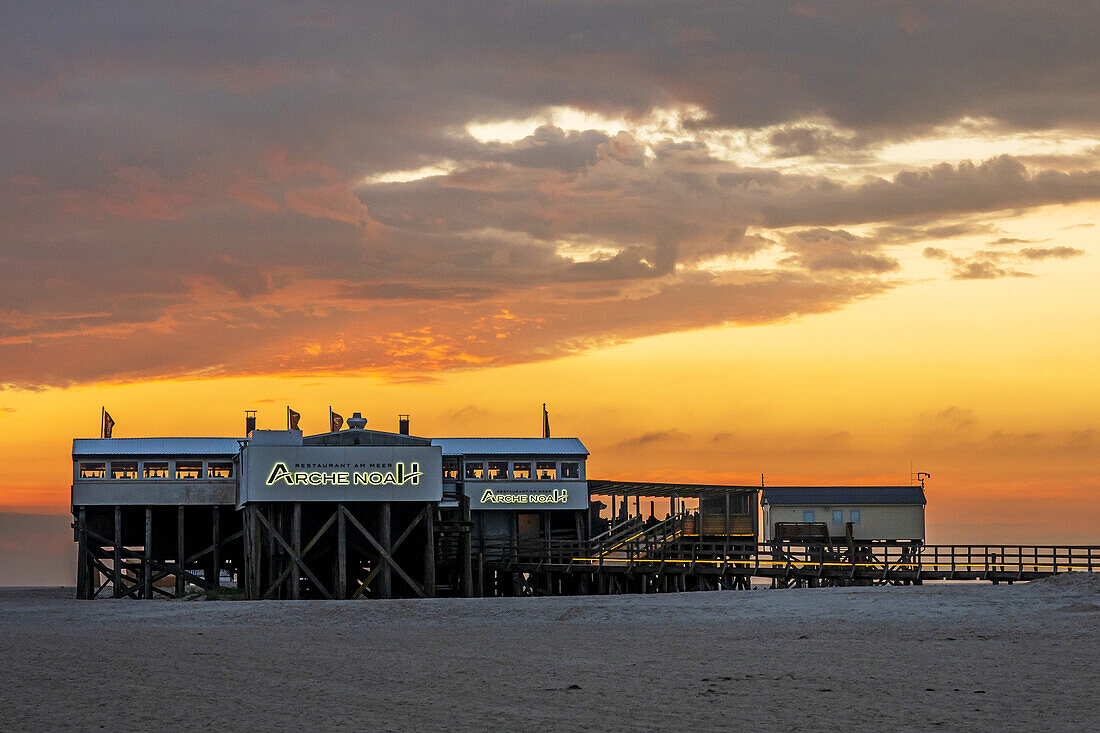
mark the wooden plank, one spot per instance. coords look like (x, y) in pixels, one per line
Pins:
(83, 582)
(386, 559)
(216, 537)
(277, 538)
(117, 574)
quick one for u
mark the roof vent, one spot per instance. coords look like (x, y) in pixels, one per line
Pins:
(357, 421)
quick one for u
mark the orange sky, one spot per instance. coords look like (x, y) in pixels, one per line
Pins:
(789, 242)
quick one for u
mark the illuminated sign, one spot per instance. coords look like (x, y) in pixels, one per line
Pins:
(557, 496)
(397, 474)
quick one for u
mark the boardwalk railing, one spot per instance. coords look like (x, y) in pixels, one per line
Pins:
(662, 548)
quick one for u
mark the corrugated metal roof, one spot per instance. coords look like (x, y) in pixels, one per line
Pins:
(511, 446)
(648, 488)
(830, 495)
(155, 446)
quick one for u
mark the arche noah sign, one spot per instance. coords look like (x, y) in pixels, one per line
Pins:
(370, 475)
(341, 473)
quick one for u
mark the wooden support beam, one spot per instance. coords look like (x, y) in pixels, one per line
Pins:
(429, 550)
(305, 551)
(117, 574)
(181, 557)
(147, 565)
(277, 538)
(384, 559)
(83, 581)
(216, 538)
(341, 553)
(385, 577)
(296, 548)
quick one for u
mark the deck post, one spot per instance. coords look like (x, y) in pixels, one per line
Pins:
(466, 550)
(296, 544)
(216, 541)
(385, 575)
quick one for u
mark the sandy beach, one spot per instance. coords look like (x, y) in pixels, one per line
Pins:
(954, 657)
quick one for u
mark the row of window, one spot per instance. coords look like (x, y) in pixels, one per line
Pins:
(516, 470)
(156, 469)
(838, 516)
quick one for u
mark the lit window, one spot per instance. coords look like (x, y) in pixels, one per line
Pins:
(475, 471)
(450, 470)
(546, 470)
(93, 470)
(189, 469)
(570, 470)
(838, 516)
(854, 516)
(124, 469)
(498, 470)
(808, 516)
(158, 469)
(219, 470)
(521, 471)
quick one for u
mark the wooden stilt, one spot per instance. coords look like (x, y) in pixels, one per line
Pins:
(341, 553)
(181, 557)
(147, 574)
(216, 536)
(296, 544)
(82, 579)
(117, 573)
(429, 550)
(385, 577)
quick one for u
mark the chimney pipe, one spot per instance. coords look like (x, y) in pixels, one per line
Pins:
(249, 421)
(403, 424)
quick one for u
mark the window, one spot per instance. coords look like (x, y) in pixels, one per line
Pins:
(838, 516)
(854, 516)
(188, 469)
(124, 469)
(219, 470)
(450, 469)
(570, 470)
(498, 470)
(521, 471)
(155, 469)
(93, 470)
(546, 470)
(475, 471)
(808, 516)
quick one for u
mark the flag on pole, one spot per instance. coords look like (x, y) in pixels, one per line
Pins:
(335, 421)
(108, 423)
(292, 418)
(545, 422)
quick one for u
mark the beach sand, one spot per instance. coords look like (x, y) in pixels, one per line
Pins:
(949, 657)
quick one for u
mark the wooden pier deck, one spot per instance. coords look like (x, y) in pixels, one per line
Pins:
(679, 562)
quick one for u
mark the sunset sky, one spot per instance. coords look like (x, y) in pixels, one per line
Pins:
(826, 242)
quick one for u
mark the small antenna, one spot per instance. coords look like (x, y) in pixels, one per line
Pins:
(761, 480)
(921, 476)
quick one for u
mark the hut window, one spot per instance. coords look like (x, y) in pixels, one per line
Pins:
(498, 470)
(189, 469)
(570, 470)
(450, 470)
(838, 516)
(808, 516)
(475, 471)
(546, 470)
(854, 516)
(124, 469)
(157, 469)
(93, 470)
(521, 471)
(219, 470)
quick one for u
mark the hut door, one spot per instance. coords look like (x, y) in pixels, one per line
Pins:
(527, 524)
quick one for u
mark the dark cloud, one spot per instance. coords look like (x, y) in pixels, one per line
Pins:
(652, 438)
(196, 192)
(1043, 253)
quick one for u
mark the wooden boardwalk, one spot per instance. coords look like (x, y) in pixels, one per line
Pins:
(679, 562)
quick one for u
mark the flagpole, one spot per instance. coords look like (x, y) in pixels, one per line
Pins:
(102, 421)
(288, 417)
(330, 418)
